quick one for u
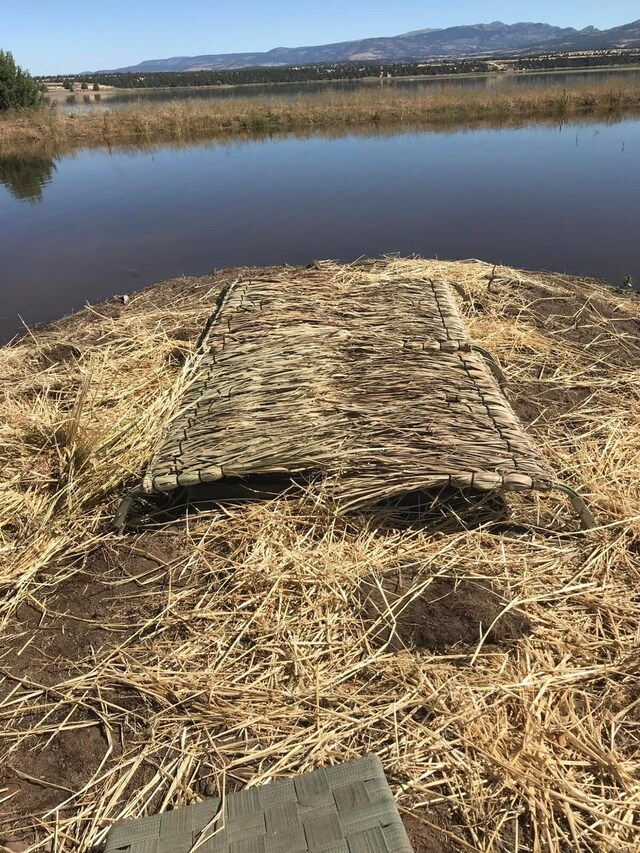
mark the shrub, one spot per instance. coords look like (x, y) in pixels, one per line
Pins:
(17, 87)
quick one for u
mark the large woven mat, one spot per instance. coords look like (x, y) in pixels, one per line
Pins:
(374, 384)
(347, 808)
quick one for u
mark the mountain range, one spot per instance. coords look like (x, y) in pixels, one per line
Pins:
(495, 39)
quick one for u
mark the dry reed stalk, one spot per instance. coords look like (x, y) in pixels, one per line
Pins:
(233, 648)
(374, 106)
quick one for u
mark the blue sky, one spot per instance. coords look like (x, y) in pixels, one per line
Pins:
(46, 36)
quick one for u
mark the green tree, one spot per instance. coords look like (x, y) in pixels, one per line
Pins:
(17, 87)
(84, 87)
(96, 88)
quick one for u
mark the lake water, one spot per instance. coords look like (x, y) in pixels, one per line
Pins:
(116, 99)
(84, 227)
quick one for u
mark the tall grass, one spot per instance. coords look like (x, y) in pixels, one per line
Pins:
(367, 107)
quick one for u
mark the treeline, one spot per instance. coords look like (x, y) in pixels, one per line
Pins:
(588, 60)
(291, 74)
(337, 71)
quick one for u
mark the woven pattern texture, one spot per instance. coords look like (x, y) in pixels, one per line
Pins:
(376, 385)
(344, 809)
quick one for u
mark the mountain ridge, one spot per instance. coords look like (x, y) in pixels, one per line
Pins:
(495, 38)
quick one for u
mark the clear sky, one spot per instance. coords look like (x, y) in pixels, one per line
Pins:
(66, 36)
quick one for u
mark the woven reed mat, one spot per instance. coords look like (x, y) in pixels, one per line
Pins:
(347, 808)
(374, 384)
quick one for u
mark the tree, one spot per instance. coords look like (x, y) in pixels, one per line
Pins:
(96, 88)
(17, 87)
(84, 87)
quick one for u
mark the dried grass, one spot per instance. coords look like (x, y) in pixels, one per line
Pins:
(366, 107)
(238, 651)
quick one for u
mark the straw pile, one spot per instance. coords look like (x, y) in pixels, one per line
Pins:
(145, 670)
(373, 384)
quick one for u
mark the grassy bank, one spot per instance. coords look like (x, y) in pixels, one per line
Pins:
(147, 669)
(379, 106)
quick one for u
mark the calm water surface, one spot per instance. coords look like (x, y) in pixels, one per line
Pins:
(84, 227)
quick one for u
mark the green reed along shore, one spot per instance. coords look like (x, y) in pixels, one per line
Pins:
(176, 121)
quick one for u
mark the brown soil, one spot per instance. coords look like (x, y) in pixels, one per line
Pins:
(88, 616)
(84, 620)
(448, 613)
(429, 832)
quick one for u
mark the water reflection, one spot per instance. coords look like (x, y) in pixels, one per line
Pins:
(115, 220)
(26, 176)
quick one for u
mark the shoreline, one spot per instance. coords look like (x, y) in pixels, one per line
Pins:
(38, 148)
(444, 78)
(177, 121)
(162, 292)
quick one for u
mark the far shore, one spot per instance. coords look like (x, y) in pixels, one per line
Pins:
(445, 79)
(178, 121)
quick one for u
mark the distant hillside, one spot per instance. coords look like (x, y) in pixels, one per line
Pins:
(625, 36)
(475, 40)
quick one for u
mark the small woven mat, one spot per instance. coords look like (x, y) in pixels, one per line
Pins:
(376, 385)
(343, 809)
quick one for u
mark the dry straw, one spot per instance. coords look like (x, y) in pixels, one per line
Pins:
(231, 648)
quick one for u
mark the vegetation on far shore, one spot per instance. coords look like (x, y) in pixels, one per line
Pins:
(273, 74)
(354, 70)
(386, 105)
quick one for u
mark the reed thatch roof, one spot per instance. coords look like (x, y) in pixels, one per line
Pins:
(374, 384)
